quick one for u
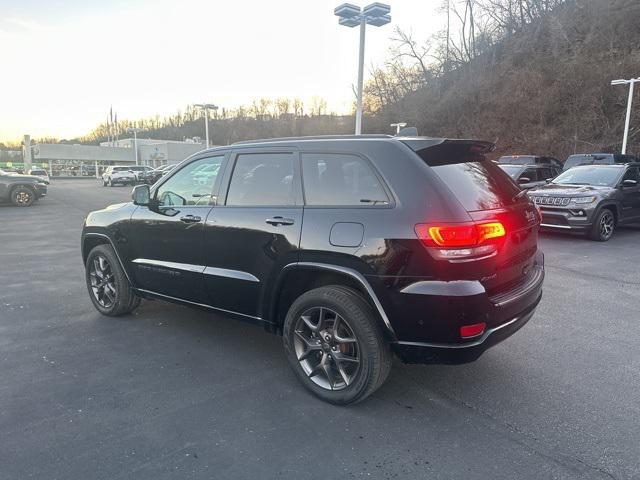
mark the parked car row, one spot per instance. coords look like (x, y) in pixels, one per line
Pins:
(590, 194)
(133, 174)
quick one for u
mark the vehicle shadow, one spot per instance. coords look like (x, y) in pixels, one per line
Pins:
(226, 344)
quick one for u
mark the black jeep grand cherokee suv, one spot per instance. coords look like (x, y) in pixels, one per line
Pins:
(350, 247)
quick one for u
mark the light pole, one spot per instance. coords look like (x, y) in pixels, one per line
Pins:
(630, 82)
(205, 109)
(398, 126)
(376, 14)
(135, 140)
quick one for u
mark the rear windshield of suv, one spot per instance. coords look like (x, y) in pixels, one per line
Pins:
(38, 172)
(574, 160)
(122, 169)
(478, 183)
(518, 159)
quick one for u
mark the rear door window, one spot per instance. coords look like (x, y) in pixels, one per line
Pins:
(332, 179)
(261, 179)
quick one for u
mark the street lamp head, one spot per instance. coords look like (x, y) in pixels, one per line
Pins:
(375, 14)
(376, 9)
(347, 10)
(206, 106)
(379, 21)
(349, 22)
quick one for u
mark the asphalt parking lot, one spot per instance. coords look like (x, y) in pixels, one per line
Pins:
(171, 392)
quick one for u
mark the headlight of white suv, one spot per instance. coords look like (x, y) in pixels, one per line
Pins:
(583, 200)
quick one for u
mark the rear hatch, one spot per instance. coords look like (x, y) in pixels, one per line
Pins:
(491, 198)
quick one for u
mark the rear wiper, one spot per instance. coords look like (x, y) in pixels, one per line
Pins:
(375, 202)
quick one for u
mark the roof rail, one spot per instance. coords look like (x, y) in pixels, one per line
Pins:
(314, 137)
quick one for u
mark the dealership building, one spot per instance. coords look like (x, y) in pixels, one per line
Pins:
(66, 160)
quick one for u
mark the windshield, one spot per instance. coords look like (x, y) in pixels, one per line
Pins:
(598, 176)
(511, 170)
(38, 172)
(122, 169)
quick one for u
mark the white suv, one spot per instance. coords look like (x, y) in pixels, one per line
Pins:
(121, 174)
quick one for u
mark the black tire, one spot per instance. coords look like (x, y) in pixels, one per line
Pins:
(22, 196)
(373, 351)
(603, 226)
(120, 298)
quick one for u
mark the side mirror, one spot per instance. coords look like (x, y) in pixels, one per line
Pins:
(141, 195)
(549, 180)
(524, 180)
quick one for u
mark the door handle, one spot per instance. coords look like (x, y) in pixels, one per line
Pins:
(190, 219)
(279, 221)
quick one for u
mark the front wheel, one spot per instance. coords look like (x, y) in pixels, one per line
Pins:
(108, 286)
(22, 196)
(334, 345)
(604, 226)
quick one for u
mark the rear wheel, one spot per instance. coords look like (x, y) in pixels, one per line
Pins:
(603, 227)
(334, 345)
(22, 196)
(108, 286)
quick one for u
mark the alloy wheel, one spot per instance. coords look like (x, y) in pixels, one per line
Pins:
(606, 225)
(102, 282)
(326, 348)
(23, 197)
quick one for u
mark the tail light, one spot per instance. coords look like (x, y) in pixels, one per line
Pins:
(461, 241)
(470, 331)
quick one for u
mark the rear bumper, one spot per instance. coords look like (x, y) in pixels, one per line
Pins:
(458, 353)
(427, 315)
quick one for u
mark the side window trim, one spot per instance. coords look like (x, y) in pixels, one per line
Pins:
(367, 161)
(184, 164)
(232, 160)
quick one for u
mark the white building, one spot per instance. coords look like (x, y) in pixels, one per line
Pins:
(63, 160)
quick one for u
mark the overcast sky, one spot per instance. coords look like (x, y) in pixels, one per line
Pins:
(63, 62)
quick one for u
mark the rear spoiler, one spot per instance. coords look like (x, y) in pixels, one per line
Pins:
(473, 146)
(446, 151)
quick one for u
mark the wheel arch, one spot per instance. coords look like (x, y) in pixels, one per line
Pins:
(92, 240)
(18, 185)
(297, 278)
(615, 209)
